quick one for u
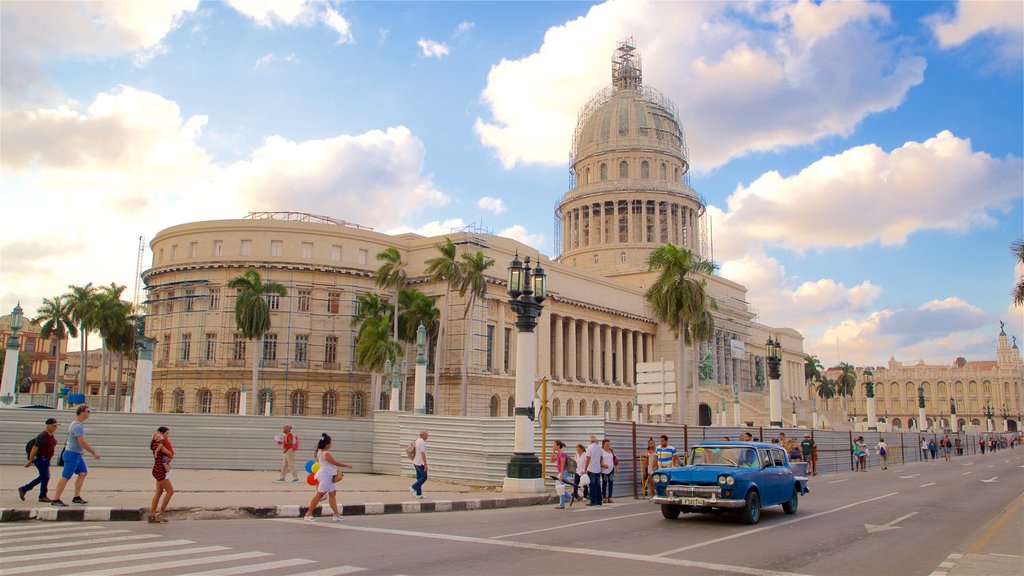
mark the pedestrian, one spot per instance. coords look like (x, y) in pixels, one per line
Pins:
(795, 454)
(581, 459)
(290, 443)
(609, 461)
(883, 452)
(561, 459)
(326, 477)
(981, 442)
(40, 455)
(814, 457)
(959, 446)
(861, 452)
(74, 461)
(924, 450)
(933, 448)
(163, 453)
(947, 448)
(807, 451)
(746, 437)
(419, 461)
(667, 454)
(592, 466)
(649, 466)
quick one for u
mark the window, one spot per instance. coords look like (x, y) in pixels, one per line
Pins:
(595, 258)
(211, 346)
(304, 297)
(265, 402)
(178, 400)
(306, 250)
(623, 169)
(604, 172)
(160, 256)
(214, 298)
(336, 253)
(276, 248)
(186, 346)
(490, 348)
(662, 173)
(30, 345)
(333, 303)
(494, 406)
(302, 347)
(273, 301)
(596, 409)
(362, 256)
(384, 401)
(170, 302)
(358, 403)
(586, 176)
(430, 403)
(270, 347)
(568, 407)
(190, 294)
(329, 404)
(511, 405)
(238, 348)
(246, 248)
(158, 401)
(622, 257)
(234, 398)
(193, 250)
(218, 247)
(174, 252)
(331, 350)
(299, 403)
(204, 401)
(508, 348)
(166, 354)
(645, 170)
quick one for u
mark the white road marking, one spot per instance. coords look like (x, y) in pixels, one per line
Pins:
(174, 564)
(968, 464)
(575, 524)
(992, 466)
(1007, 555)
(762, 529)
(837, 481)
(232, 570)
(927, 485)
(81, 542)
(44, 528)
(88, 551)
(990, 480)
(966, 473)
(911, 476)
(335, 571)
(558, 549)
(111, 559)
(37, 538)
(888, 525)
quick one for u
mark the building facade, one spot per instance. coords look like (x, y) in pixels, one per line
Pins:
(40, 352)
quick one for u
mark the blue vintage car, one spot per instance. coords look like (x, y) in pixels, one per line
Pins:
(738, 477)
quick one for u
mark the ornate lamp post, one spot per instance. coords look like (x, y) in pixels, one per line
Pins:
(920, 408)
(1006, 419)
(527, 290)
(989, 413)
(420, 379)
(869, 393)
(735, 403)
(395, 372)
(814, 412)
(773, 356)
(953, 424)
(793, 400)
(9, 384)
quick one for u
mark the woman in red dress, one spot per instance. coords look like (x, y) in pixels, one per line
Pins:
(163, 453)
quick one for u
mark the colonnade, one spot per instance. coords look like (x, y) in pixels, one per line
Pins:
(629, 221)
(592, 352)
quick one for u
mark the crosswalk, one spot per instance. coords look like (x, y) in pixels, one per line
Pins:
(98, 550)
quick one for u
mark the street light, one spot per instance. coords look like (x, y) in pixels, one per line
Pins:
(527, 290)
(773, 356)
(869, 393)
(1006, 419)
(920, 408)
(793, 399)
(9, 381)
(989, 413)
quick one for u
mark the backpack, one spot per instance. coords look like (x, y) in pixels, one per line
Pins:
(296, 445)
(570, 465)
(29, 445)
(410, 450)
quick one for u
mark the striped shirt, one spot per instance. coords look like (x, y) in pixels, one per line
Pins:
(665, 455)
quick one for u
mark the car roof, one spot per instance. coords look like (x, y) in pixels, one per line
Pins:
(737, 444)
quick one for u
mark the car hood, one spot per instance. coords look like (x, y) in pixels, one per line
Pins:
(702, 474)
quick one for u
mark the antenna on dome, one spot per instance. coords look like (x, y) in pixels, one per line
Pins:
(626, 66)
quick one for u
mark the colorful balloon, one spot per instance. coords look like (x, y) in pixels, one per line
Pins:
(311, 479)
(309, 466)
(316, 467)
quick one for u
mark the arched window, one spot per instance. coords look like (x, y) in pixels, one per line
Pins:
(494, 406)
(973, 386)
(385, 401)
(911, 391)
(607, 409)
(595, 258)
(897, 423)
(943, 390)
(511, 405)
(662, 173)
(178, 400)
(675, 174)
(568, 407)
(645, 170)
(158, 401)
(894, 388)
(1006, 389)
(629, 410)
(975, 422)
(329, 403)
(586, 175)
(958, 388)
(623, 169)
(618, 410)
(430, 403)
(583, 407)
(960, 423)
(234, 398)
(988, 388)
(204, 401)
(603, 172)
(929, 423)
(927, 390)
(299, 403)
(595, 408)
(555, 406)
(358, 404)
(911, 423)
(266, 402)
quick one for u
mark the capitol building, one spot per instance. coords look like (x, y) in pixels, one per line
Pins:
(628, 195)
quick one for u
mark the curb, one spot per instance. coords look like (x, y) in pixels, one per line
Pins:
(108, 514)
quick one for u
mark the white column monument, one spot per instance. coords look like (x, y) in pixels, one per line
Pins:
(143, 389)
(773, 357)
(420, 379)
(869, 392)
(9, 384)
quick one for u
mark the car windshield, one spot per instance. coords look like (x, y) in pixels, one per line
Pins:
(723, 456)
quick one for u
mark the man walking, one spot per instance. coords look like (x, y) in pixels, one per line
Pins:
(419, 461)
(289, 443)
(667, 455)
(74, 461)
(807, 449)
(40, 455)
(592, 464)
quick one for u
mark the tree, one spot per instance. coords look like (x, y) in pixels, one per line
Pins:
(679, 298)
(252, 314)
(1017, 248)
(374, 347)
(812, 370)
(418, 308)
(826, 389)
(473, 282)
(846, 383)
(112, 320)
(391, 274)
(82, 300)
(443, 268)
(55, 319)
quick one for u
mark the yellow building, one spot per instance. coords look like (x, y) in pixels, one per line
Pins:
(41, 354)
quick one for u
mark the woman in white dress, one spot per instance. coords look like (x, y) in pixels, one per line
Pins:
(325, 478)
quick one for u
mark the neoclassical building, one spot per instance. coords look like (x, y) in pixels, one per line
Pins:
(630, 193)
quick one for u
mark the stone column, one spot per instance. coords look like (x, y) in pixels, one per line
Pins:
(420, 378)
(608, 369)
(630, 362)
(542, 343)
(144, 374)
(499, 311)
(620, 357)
(571, 356)
(585, 356)
(598, 374)
(559, 358)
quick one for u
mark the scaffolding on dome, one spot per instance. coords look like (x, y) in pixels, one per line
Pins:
(627, 66)
(303, 217)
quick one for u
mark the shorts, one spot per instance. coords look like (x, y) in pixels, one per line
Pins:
(74, 463)
(326, 484)
(160, 473)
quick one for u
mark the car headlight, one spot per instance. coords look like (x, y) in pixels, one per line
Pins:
(660, 478)
(724, 480)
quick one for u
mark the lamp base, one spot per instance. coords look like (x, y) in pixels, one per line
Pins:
(777, 424)
(525, 465)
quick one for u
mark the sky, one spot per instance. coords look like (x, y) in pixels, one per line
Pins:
(861, 161)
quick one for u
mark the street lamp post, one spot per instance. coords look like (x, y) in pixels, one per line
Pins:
(527, 290)
(989, 413)
(773, 356)
(920, 409)
(9, 384)
(793, 400)
(420, 377)
(869, 393)
(814, 412)
(953, 424)
(736, 403)
(1006, 419)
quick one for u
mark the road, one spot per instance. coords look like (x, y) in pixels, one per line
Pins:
(914, 519)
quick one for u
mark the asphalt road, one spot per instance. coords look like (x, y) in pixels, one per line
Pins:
(902, 521)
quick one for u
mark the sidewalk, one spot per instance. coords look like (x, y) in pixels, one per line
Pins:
(125, 494)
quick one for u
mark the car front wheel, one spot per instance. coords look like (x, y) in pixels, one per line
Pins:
(794, 501)
(670, 511)
(751, 513)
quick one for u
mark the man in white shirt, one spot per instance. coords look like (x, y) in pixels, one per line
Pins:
(419, 461)
(592, 464)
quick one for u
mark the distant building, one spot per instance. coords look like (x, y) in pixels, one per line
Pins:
(42, 354)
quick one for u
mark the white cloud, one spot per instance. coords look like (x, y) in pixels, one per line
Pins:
(432, 49)
(520, 233)
(1002, 20)
(270, 12)
(432, 228)
(463, 27)
(339, 24)
(264, 62)
(493, 205)
(746, 77)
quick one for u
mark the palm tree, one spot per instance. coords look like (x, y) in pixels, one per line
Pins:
(374, 346)
(846, 383)
(418, 308)
(55, 316)
(82, 301)
(679, 298)
(443, 268)
(1017, 248)
(826, 389)
(252, 314)
(111, 316)
(391, 274)
(812, 369)
(473, 282)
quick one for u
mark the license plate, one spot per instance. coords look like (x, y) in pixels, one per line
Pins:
(694, 502)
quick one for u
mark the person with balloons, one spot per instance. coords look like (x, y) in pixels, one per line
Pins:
(324, 474)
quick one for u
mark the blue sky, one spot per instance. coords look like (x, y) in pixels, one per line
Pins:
(862, 161)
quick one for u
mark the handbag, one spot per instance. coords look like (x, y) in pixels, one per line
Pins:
(585, 479)
(60, 458)
(338, 476)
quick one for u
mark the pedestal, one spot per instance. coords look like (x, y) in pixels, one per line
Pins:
(243, 403)
(523, 473)
(872, 415)
(8, 387)
(775, 403)
(736, 414)
(420, 389)
(921, 420)
(143, 386)
(814, 420)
